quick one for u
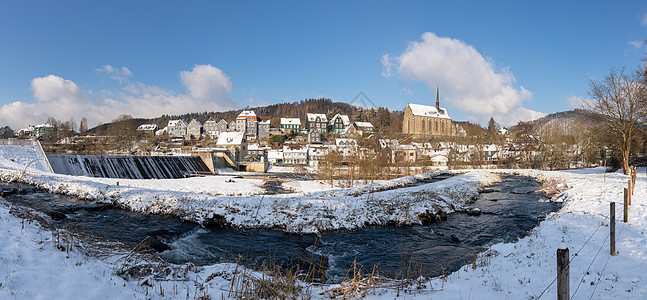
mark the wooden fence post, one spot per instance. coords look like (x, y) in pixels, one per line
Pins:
(630, 190)
(563, 285)
(626, 202)
(612, 228)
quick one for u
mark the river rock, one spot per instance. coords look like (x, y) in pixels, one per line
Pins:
(473, 212)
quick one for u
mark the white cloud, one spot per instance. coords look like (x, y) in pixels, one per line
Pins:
(207, 90)
(386, 65)
(122, 74)
(643, 20)
(206, 82)
(636, 44)
(577, 102)
(468, 80)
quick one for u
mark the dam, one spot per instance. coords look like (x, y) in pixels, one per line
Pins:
(129, 167)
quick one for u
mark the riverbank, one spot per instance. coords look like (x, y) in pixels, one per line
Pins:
(519, 270)
(232, 201)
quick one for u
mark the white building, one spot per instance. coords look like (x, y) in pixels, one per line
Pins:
(295, 154)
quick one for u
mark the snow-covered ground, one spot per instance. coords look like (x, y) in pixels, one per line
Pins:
(32, 266)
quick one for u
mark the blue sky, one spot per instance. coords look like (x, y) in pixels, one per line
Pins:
(513, 60)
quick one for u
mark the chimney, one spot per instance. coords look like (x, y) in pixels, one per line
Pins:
(437, 101)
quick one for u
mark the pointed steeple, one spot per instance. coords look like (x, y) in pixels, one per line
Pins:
(437, 99)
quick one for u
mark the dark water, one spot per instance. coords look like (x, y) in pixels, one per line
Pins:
(509, 213)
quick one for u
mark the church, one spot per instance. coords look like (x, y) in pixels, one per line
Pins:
(427, 120)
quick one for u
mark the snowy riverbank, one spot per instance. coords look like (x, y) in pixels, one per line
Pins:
(213, 200)
(31, 266)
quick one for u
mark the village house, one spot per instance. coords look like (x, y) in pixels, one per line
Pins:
(405, 153)
(290, 124)
(295, 154)
(426, 120)
(148, 129)
(316, 153)
(6, 132)
(275, 156)
(314, 137)
(243, 118)
(251, 130)
(235, 142)
(359, 129)
(347, 147)
(338, 123)
(37, 131)
(194, 130)
(317, 122)
(223, 126)
(264, 130)
(210, 128)
(176, 128)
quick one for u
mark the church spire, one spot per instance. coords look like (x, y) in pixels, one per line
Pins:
(437, 99)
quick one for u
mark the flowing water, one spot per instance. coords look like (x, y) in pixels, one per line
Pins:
(510, 210)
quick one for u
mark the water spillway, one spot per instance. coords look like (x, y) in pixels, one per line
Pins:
(130, 167)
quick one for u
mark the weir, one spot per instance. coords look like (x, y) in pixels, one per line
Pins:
(129, 167)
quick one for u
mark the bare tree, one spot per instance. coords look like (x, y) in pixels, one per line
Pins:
(620, 99)
(329, 165)
(123, 133)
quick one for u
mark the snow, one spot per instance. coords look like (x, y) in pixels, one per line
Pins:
(290, 121)
(31, 265)
(24, 157)
(231, 138)
(313, 117)
(428, 111)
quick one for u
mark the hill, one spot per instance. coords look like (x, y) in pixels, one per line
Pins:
(275, 111)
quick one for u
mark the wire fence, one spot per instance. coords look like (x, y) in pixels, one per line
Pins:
(586, 272)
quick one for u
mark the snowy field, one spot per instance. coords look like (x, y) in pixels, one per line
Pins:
(32, 265)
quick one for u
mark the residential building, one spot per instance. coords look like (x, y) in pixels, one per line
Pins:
(338, 123)
(194, 130)
(290, 124)
(317, 122)
(244, 117)
(223, 126)
(314, 137)
(210, 128)
(275, 156)
(264, 130)
(426, 120)
(176, 128)
(39, 131)
(148, 129)
(251, 130)
(347, 147)
(6, 132)
(295, 154)
(359, 129)
(316, 153)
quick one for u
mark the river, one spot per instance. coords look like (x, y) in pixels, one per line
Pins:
(510, 209)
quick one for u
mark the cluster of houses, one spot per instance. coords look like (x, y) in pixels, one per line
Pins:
(245, 139)
(256, 130)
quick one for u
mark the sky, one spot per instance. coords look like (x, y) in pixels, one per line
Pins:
(511, 60)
